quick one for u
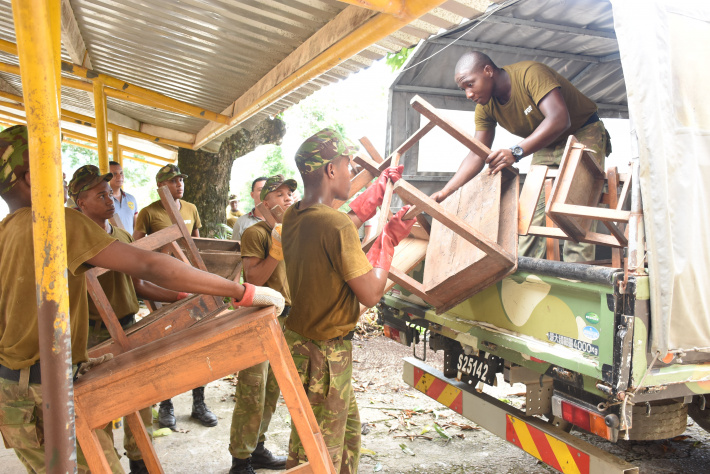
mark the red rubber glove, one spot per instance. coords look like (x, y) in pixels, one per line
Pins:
(382, 250)
(365, 205)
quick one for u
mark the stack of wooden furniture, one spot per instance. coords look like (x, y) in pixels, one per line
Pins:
(179, 347)
(472, 242)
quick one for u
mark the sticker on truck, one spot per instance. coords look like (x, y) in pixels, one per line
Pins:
(573, 343)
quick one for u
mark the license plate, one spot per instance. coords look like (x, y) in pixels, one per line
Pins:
(478, 368)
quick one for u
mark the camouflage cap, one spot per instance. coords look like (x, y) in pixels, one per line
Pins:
(168, 172)
(86, 178)
(15, 161)
(274, 182)
(322, 148)
(233, 197)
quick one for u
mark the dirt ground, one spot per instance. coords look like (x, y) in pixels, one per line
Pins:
(402, 436)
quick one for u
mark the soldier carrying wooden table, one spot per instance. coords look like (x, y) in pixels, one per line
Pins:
(21, 406)
(533, 101)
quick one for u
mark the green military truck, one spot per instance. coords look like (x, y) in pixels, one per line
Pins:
(622, 353)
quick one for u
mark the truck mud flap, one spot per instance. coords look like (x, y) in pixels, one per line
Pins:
(559, 450)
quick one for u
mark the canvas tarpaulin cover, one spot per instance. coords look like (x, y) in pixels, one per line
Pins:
(663, 46)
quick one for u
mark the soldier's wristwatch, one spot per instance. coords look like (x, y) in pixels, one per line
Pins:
(517, 152)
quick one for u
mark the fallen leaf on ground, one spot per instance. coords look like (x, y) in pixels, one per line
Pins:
(162, 432)
(368, 452)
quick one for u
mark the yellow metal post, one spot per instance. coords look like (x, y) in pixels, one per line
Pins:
(100, 113)
(36, 25)
(116, 147)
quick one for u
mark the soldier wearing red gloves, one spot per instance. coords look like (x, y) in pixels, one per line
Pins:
(329, 276)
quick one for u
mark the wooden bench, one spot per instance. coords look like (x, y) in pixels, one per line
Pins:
(173, 364)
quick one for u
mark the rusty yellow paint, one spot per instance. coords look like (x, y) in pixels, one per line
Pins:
(101, 129)
(37, 23)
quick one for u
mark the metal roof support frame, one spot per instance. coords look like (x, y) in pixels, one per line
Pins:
(101, 130)
(38, 35)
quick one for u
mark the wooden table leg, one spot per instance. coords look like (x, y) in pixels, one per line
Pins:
(150, 457)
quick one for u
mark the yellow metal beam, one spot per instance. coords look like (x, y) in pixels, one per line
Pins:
(398, 8)
(35, 27)
(375, 29)
(119, 89)
(101, 130)
(92, 140)
(116, 147)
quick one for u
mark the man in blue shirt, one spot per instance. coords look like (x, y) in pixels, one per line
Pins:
(125, 204)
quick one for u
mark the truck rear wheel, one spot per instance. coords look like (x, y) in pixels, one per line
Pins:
(701, 417)
(668, 419)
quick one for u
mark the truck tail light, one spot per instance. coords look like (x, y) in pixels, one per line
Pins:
(585, 419)
(395, 334)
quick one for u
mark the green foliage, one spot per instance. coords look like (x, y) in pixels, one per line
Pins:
(396, 60)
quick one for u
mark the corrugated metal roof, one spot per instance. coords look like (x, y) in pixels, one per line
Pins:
(576, 38)
(210, 52)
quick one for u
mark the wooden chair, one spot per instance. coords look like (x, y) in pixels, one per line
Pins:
(484, 242)
(573, 194)
(176, 363)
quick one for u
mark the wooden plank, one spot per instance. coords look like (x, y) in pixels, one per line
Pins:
(467, 140)
(370, 148)
(618, 233)
(386, 202)
(534, 182)
(412, 285)
(108, 316)
(552, 245)
(368, 164)
(595, 213)
(412, 195)
(90, 444)
(150, 457)
(550, 232)
(223, 245)
(266, 214)
(177, 252)
(278, 213)
(612, 177)
(418, 135)
(115, 221)
(175, 217)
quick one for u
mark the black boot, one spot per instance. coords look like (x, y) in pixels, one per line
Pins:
(241, 466)
(200, 410)
(166, 414)
(137, 467)
(263, 458)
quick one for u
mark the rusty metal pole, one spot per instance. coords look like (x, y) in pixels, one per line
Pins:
(36, 27)
(101, 124)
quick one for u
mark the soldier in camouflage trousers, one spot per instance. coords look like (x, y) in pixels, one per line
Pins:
(257, 390)
(329, 277)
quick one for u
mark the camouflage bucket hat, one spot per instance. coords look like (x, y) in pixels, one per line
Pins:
(86, 178)
(322, 148)
(233, 197)
(15, 161)
(273, 183)
(168, 172)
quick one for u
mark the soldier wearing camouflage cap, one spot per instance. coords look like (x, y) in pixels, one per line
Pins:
(151, 219)
(87, 245)
(329, 276)
(257, 391)
(86, 178)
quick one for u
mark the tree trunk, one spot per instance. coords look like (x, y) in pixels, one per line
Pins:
(207, 185)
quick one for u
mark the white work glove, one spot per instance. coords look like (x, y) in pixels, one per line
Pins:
(91, 363)
(260, 296)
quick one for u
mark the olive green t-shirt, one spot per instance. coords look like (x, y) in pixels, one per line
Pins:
(322, 252)
(256, 242)
(118, 286)
(154, 217)
(19, 339)
(531, 82)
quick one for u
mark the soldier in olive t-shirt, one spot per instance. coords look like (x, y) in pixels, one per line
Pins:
(533, 101)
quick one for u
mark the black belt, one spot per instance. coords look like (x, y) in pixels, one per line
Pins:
(346, 337)
(592, 119)
(14, 375)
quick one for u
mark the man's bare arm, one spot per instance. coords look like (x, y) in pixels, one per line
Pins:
(153, 292)
(470, 167)
(195, 232)
(138, 235)
(258, 270)
(370, 287)
(164, 270)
